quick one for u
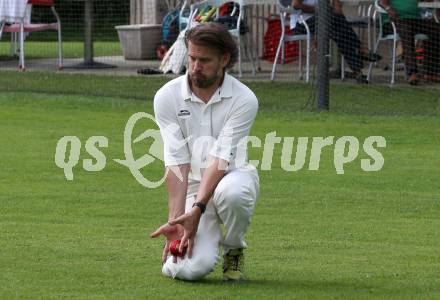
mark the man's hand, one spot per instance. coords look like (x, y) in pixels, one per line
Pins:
(190, 224)
(392, 13)
(389, 9)
(171, 233)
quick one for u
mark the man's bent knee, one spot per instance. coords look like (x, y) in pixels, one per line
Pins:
(189, 269)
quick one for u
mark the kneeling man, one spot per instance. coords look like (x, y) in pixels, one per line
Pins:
(205, 118)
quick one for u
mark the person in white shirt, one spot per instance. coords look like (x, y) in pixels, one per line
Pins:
(340, 31)
(205, 118)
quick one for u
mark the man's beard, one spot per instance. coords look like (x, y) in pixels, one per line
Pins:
(201, 81)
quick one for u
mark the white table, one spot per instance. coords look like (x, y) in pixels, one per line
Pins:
(433, 4)
(13, 10)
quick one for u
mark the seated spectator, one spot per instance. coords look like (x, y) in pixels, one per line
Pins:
(406, 14)
(340, 31)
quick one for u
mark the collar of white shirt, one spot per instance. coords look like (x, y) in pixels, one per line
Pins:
(224, 91)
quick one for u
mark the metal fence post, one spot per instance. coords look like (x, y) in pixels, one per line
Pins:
(322, 80)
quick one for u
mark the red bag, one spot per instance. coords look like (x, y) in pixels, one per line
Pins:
(272, 39)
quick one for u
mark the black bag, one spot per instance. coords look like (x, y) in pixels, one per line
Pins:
(231, 23)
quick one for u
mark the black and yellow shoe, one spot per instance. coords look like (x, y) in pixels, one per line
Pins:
(233, 263)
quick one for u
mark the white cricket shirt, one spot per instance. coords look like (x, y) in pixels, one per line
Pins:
(192, 130)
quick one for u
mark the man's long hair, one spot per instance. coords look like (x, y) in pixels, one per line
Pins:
(215, 36)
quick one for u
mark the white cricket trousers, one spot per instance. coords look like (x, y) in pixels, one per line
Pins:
(232, 205)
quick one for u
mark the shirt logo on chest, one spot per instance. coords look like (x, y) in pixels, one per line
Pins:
(184, 113)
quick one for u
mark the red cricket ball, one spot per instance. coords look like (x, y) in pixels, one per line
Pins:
(174, 248)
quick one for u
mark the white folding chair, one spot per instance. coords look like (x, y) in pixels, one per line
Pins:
(363, 20)
(184, 16)
(285, 12)
(393, 37)
(234, 32)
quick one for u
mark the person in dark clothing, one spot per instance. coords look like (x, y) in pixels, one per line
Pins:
(406, 15)
(340, 31)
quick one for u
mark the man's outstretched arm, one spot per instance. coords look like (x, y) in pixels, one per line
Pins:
(389, 9)
(298, 4)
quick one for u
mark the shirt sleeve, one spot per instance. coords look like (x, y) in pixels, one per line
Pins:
(235, 130)
(176, 150)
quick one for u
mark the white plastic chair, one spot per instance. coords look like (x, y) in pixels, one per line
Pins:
(394, 37)
(363, 20)
(234, 32)
(285, 12)
(184, 16)
(21, 27)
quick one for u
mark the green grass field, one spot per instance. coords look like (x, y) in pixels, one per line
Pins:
(45, 49)
(315, 234)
